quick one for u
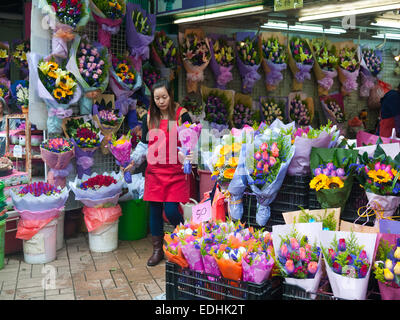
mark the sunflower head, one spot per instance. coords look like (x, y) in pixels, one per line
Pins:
(59, 93)
(335, 183)
(379, 176)
(319, 182)
(228, 173)
(123, 67)
(53, 65)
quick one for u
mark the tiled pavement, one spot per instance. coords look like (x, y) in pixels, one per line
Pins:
(84, 275)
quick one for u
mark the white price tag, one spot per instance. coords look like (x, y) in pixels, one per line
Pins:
(17, 151)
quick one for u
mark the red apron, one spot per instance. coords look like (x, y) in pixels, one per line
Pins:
(164, 181)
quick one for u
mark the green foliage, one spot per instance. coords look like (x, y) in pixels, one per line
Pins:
(328, 219)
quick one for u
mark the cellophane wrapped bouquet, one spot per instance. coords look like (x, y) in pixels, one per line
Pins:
(188, 135)
(165, 55)
(333, 108)
(349, 66)
(272, 108)
(370, 68)
(121, 150)
(301, 61)
(222, 60)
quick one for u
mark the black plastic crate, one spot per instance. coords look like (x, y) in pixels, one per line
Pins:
(185, 284)
(293, 292)
(292, 195)
(313, 203)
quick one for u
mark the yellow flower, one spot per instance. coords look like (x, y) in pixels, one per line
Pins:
(379, 176)
(236, 147)
(220, 162)
(335, 183)
(59, 93)
(394, 172)
(225, 150)
(44, 67)
(233, 162)
(228, 173)
(123, 67)
(215, 173)
(1, 92)
(53, 65)
(111, 4)
(3, 53)
(131, 75)
(118, 6)
(319, 182)
(389, 276)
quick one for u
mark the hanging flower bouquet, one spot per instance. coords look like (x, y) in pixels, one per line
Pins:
(89, 63)
(124, 82)
(272, 108)
(140, 29)
(349, 66)
(196, 56)
(57, 154)
(121, 150)
(298, 254)
(387, 265)
(378, 175)
(266, 164)
(248, 60)
(274, 62)
(57, 87)
(324, 54)
(370, 67)
(194, 108)
(222, 60)
(38, 204)
(348, 262)
(333, 175)
(243, 113)
(300, 109)
(109, 15)
(20, 93)
(86, 141)
(21, 49)
(5, 60)
(5, 89)
(109, 123)
(188, 135)
(69, 16)
(333, 108)
(165, 55)
(150, 75)
(301, 62)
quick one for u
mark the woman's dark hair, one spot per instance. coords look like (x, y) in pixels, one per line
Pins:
(155, 113)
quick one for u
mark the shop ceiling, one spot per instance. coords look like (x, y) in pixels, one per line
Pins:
(365, 18)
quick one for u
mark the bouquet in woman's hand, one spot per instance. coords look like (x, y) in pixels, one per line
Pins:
(165, 54)
(69, 16)
(248, 60)
(57, 87)
(222, 60)
(272, 109)
(109, 15)
(140, 29)
(349, 66)
(89, 63)
(195, 51)
(370, 67)
(274, 58)
(121, 150)
(301, 61)
(326, 59)
(188, 135)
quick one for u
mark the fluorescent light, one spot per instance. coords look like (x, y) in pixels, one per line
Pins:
(220, 14)
(275, 25)
(303, 28)
(306, 28)
(348, 9)
(393, 36)
(389, 23)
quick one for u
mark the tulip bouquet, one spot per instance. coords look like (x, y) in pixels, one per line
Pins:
(326, 59)
(109, 15)
(274, 58)
(349, 66)
(248, 60)
(194, 108)
(333, 108)
(333, 174)
(387, 266)
(165, 54)
(222, 60)
(150, 75)
(121, 150)
(272, 108)
(57, 154)
(89, 63)
(243, 113)
(371, 66)
(19, 56)
(301, 61)
(140, 30)
(196, 56)
(57, 87)
(300, 110)
(348, 258)
(188, 135)
(38, 204)
(69, 16)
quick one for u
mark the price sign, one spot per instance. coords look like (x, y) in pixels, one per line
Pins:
(201, 212)
(17, 151)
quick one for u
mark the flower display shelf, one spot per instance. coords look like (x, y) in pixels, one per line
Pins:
(185, 284)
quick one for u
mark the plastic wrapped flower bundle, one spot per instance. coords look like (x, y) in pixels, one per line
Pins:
(86, 141)
(5, 59)
(272, 109)
(387, 265)
(188, 135)
(19, 56)
(222, 60)
(69, 16)
(378, 175)
(38, 204)
(89, 64)
(300, 110)
(333, 108)
(109, 15)
(57, 87)
(348, 257)
(371, 66)
(57, 154)
(243, 113)
(298, 254)
(121, 150)
(301, 61)
(20, 93)
(165, 54)
(150, 75)
(140, 30)
(274, 58)
(349, 66)
(124, 82)
(333, 175)
(326, 59)
(196, 56)
(4, 89)
(248, 60)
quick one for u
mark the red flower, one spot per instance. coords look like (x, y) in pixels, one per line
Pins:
(98, 181)
(74, 2)
(63, 4)
(55, 7)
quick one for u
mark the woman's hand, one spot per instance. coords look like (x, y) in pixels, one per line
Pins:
(182, 158)
(128, 167)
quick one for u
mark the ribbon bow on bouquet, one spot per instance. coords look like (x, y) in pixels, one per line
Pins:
(188, 136)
